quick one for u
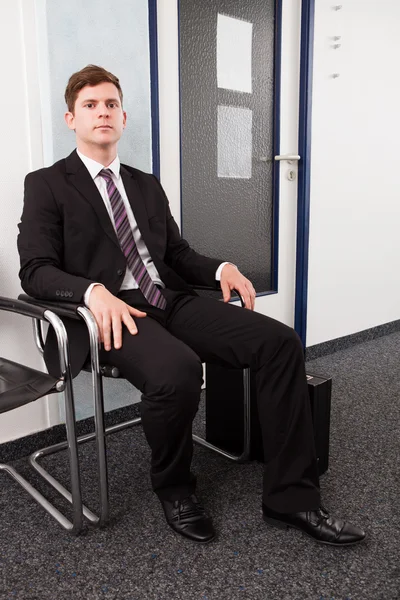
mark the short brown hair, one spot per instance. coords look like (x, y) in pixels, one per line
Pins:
(90, 75)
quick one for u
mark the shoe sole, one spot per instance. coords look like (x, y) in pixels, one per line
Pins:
(280, 525)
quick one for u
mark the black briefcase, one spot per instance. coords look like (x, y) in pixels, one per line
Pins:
(224, 413)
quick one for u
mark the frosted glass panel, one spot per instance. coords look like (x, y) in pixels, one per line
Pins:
(234, 38)
(234, 142)
(114, 35)
(227, 191)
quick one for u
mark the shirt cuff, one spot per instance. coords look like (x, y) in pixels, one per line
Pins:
(87, 293)
(219, 270)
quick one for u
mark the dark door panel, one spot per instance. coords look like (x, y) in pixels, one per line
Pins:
(229, 217)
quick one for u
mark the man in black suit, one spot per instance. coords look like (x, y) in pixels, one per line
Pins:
(98, 232)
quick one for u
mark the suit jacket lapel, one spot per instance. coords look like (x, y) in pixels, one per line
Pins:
(80, 177)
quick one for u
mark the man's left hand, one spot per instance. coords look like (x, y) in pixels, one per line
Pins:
(232, 279)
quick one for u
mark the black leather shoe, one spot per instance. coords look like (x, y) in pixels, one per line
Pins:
(187, 517)
(318, 524)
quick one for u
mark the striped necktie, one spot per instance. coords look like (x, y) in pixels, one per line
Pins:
(128, 246)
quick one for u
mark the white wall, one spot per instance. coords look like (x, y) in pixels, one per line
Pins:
(354, 281)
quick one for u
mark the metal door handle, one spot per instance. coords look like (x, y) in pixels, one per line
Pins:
(288, 157)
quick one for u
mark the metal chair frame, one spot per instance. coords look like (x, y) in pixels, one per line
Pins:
(100, 432)
(64, 385)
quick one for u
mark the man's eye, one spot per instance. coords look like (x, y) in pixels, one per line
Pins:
(112, 105)
(89, 105)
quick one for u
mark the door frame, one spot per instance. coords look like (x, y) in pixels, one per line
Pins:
(304, 167)
(154, 95)
(304, 146)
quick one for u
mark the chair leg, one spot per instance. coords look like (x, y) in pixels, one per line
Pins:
(36, 495)
(70, 419)
(70, 423)
(91, 516)
(98, 435)
(98, 401)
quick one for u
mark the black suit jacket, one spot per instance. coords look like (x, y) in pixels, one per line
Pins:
(66, 242)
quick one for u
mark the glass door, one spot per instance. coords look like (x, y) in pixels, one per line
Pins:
(229, 105)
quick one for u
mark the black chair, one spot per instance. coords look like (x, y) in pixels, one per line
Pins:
(20, 385)
(78, 311)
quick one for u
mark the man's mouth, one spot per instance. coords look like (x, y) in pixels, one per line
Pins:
(104, 127)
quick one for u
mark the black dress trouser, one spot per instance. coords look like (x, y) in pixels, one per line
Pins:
(164, 361)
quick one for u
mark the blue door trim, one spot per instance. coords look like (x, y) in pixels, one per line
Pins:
(155, 119)
(277, 144)
(303, 195)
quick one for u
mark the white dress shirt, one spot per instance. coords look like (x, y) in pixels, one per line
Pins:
(129, 282)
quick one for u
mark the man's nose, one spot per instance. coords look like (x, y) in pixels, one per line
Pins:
(104, 111)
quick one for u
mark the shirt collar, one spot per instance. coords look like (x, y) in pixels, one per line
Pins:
(95, 167)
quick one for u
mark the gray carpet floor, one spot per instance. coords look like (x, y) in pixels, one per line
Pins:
(139, 558)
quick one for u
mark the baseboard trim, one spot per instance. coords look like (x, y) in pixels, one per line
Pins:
(15, 449)
(347, 341)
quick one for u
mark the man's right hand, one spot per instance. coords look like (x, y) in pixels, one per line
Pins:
(110, 312)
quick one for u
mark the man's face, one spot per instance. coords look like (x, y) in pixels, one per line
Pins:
(98, 118)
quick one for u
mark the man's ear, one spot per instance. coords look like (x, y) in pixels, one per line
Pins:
(124, 113)
(70, 120)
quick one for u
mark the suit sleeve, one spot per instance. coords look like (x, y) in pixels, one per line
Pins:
(194, 268)
(40, 246)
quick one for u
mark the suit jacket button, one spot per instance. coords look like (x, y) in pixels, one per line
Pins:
(62, 294)
(119, 272)
(57, 292)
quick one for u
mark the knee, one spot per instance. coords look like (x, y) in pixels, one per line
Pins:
(291, 336)
(282, 336)
(291, 342)
(178, 378)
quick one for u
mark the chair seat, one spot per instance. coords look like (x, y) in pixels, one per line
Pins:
(20, 385)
